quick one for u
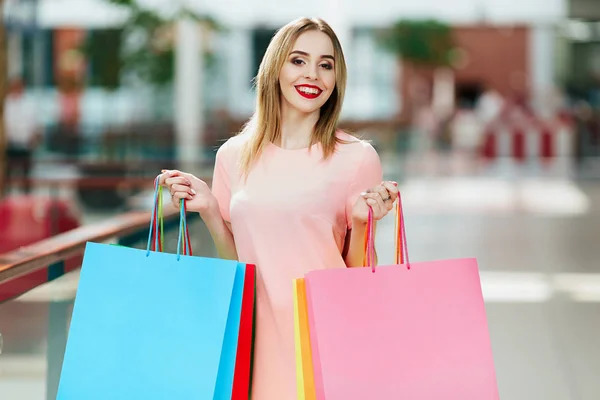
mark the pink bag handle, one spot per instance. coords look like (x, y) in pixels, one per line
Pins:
(401, 255)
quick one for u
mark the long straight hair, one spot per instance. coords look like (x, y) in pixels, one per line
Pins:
(265, 125)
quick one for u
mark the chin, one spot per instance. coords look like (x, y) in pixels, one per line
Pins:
(302, 105)
(308, 110)
(308, 107)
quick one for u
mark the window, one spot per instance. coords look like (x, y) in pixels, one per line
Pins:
(103, 48)
(37, 58)
(261, 37)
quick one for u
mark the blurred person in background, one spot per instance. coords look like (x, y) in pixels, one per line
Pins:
(470, 122)
(291, 193)
(22, 133)
(489, 106)
(69, 98)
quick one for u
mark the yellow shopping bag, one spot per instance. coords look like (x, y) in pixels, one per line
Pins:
(304, 368)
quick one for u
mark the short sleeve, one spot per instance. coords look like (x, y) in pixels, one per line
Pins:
(368, 174)
(221, 183)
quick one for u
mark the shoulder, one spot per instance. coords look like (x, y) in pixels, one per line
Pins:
(232, 146)
(355, 148)
(228, 155)
(360, 160)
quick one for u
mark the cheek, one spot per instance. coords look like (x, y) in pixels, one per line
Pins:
(287, 74)
(329, 80)
(282, 78)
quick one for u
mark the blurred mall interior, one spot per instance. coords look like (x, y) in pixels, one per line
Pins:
(487, 113)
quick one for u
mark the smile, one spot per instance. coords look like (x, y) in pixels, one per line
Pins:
(308, 91)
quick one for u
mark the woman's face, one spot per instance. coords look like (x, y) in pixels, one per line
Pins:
(307, 78)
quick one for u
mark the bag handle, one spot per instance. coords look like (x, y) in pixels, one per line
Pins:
(401, 250)
(156, 230)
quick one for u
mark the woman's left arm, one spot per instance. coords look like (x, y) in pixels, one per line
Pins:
(380, 199)
(354, 246)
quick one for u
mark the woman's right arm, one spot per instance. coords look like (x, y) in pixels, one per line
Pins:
(199, 198)
(221, 235)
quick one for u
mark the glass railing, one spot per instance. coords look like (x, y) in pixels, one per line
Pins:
(34, 324)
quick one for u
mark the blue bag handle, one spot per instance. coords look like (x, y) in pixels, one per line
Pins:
(156, 224)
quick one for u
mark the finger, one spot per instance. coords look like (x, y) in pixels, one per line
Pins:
(392, 193)
(166, 174)
(172, 172)
(376, 202)
(378, 211)
(389, 199)
(181, 188)
(386, 197)
(177, 196)
(392, 187)
(179, 180)
(175, 199)
(162, 178)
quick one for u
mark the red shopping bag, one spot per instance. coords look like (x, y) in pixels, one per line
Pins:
(243, 363)
(413, 331)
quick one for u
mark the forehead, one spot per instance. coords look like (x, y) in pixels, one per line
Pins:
(315, 43)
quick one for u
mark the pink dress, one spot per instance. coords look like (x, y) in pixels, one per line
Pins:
(290, 217)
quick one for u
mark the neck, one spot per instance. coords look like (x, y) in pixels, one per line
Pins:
(296, 128)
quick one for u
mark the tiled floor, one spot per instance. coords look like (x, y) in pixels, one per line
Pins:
(535, 233)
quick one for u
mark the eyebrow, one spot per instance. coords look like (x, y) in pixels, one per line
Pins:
(303, 53)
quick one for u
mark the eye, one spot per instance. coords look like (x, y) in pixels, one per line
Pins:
(327, 66)
(297, 61)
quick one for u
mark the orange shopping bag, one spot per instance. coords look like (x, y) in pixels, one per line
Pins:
(305, 381)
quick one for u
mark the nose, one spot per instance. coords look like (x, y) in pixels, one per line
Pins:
(311, 72)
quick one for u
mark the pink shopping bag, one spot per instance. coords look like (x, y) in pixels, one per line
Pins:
(414, 331)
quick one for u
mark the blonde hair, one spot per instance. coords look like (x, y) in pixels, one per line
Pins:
(265, 125)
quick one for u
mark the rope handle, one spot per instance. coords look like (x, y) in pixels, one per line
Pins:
(401, 248)
(156, 231)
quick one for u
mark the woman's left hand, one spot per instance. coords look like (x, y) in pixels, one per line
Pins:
(380, 198)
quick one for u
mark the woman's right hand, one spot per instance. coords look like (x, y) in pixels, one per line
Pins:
(196, 193)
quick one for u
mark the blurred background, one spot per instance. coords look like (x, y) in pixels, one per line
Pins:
(487, 113)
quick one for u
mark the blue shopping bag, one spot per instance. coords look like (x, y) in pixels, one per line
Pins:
(151, 325)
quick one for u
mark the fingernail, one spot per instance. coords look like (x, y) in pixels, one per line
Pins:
(395, 183)
(193, 192)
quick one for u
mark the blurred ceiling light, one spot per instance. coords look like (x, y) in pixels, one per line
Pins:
(515, 287)
(80, 13)
(580, 287)
(494, 196)
(531, 287)
(577, 30)
(458, 195)
(553, 197)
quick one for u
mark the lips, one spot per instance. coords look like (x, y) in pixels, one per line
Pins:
(309, 91)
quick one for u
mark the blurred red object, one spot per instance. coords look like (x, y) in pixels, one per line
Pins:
(25, 220)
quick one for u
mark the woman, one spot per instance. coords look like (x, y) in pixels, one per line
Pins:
(291, 193)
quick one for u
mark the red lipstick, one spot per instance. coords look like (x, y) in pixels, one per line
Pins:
(312, 93)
